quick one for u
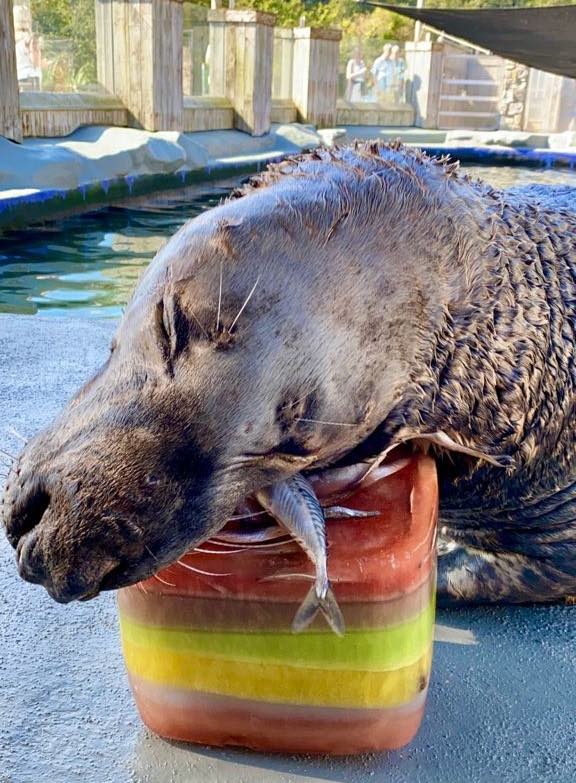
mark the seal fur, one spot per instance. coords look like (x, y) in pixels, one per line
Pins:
(443, 306)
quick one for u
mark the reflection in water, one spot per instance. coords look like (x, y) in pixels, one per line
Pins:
(90, 263)
(509, 176)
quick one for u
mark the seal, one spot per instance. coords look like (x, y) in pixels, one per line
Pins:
(342, 303)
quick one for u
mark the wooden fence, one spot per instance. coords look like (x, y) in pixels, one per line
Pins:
(140, 54)
(550, 102)
(454, 88)
(156, 76)
(229, 68)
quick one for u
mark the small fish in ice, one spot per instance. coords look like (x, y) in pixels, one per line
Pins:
(293, 503)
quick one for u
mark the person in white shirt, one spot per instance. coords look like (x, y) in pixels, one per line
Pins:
(355, 76)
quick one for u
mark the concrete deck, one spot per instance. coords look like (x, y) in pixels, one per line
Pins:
(499, 710)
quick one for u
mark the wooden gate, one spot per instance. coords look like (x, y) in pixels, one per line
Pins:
(470, 91)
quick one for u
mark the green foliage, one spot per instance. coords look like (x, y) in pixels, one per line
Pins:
(73, 20)
(288, 12)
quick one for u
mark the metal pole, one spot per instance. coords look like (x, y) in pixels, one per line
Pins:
(418, 25)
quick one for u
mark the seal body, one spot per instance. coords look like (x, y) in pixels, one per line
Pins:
(341, 304)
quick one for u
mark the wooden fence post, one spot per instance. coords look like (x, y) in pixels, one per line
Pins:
(315, 74)
(283, 64)
(217, 42)
(241, 52)
(424, 64)
(10, 121)
(139, 51)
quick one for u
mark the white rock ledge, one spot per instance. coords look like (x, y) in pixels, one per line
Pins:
(95, 155)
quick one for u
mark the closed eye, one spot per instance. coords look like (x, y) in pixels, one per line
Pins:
(175, 327)
(162, 335)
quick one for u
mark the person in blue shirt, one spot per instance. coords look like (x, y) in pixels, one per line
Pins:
(382, 72)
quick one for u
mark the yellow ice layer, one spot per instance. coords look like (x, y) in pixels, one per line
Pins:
(367, 650)
(277, 683)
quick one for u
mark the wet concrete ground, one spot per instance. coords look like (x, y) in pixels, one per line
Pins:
(500, 710)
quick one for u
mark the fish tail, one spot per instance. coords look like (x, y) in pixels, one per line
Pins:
(313, 604)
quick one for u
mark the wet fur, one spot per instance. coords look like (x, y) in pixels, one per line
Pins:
(499, 370)
(395, 294)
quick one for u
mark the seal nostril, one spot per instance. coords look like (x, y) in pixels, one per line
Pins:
(25, 517)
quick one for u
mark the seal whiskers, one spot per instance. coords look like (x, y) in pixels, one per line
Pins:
(232, 325)
(163, 581)
(199, 570)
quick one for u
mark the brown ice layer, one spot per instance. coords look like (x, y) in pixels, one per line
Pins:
(230, 614)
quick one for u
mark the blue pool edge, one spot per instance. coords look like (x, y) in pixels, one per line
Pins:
(25, 206)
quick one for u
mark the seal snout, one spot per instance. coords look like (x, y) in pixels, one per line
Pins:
(46, 521)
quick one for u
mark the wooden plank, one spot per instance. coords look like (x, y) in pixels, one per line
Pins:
(10, 121)
(467, 113)
(283, 111)
(119, 55)
(477, 82)
(104, 44)
(134, 42)
(468, 98)
(282, 64)
(262, 78)
(49, 123)
(216, 62)
(206, 113)
(247, 71)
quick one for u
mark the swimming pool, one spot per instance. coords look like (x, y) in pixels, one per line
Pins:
(87, 265)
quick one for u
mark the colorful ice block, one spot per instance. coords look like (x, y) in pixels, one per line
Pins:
(213, 660)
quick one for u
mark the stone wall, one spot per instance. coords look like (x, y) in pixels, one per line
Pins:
(513, 96)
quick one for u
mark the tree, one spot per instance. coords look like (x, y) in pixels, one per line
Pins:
(73, 20)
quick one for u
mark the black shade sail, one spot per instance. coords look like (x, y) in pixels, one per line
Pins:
(543, 38)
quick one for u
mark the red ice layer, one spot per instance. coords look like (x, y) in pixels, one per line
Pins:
(211, 719)
(371, 559)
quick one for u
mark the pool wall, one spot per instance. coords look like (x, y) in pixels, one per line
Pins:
(96, 166)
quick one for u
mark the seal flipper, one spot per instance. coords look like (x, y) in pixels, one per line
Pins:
(446, 442)
(313, 604)
(467, 575)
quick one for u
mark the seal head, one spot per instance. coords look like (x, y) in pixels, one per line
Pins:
(349, 301)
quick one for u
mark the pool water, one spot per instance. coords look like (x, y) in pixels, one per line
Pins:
(87, 265)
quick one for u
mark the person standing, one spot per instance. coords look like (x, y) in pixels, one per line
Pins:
(382, 72)
(355, 76)
(398, 73)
